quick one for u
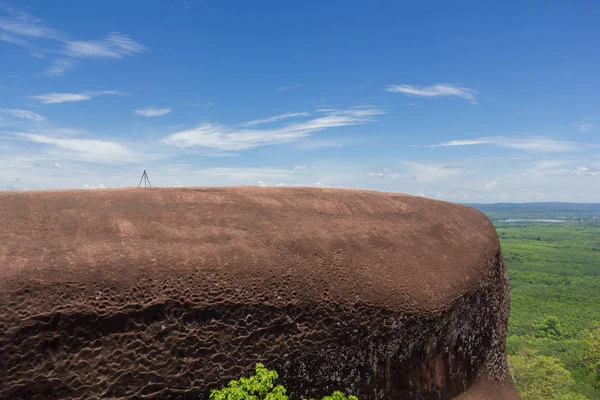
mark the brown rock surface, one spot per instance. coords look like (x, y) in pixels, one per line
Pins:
(167, 293)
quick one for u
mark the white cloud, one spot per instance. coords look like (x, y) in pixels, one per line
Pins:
(529, 144)
(55, 98)
(587, 127)
(21, 23)
(545, 164)
(438, 90)
(275, 118)
(432, 172)
(491, 185)
(152, 112)
(52, 98)
(59, 131)
(302, 167)
(385, 173)
(115, 45)
(100, 186)
(206, 104)
(16, 40)
(587, 124)
(37, 118)
(25, 30)
(316, 144)
(221, 137)
(90, 150)
(59, 67)
(585, 171)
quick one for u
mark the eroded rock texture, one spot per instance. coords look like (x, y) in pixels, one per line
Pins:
(167, 293)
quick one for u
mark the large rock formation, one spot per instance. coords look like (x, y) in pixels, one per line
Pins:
(167, 293)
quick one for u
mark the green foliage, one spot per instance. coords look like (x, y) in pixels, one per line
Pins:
(555, 293)
(261, 386)
(592, 353)
(541, 377)
(337, 395)
(550, 328)
(257, 387)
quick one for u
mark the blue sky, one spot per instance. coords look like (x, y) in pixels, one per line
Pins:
(464, 101)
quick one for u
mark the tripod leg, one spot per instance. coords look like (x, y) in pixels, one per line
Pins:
(140, 184)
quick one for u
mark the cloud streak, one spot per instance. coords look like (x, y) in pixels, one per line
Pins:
(432, 172)
(24, 114)
(59, 67)
(152, 112)
(438, 90)
(275, 118)
(587, 124)
(227, 138)
(540, 144)
(20, 23)
(89, 150)
(56, 98)
(22, 29)
(115, 45)
(585, 171)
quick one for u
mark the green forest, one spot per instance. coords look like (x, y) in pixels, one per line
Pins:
(552, 252)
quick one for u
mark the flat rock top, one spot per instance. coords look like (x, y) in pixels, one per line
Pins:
(388, 249)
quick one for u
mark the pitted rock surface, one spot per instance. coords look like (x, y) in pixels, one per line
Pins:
(168, 293)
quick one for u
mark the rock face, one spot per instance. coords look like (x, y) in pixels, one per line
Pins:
(168, 293)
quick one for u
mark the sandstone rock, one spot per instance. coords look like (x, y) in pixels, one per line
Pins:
(167, 293)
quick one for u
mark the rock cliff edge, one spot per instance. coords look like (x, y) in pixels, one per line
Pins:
(168, 293)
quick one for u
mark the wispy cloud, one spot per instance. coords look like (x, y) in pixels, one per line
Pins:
(205, 104)
(227, 138)
(25, 114)
(20, 23)
(546, 164)
(491, 185)
(432, 172)
(152, 112)
(316, 144)
(25, 30)
(275, 118)
(588, 127)
(5, 37)
(529, 144)
(587, 124)
(62, 132)
(438, 90)
(383, 173)
(289, 87)
(89, 150)
(59, 67)
(585, 171)
(54, 98)
(115, 45)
